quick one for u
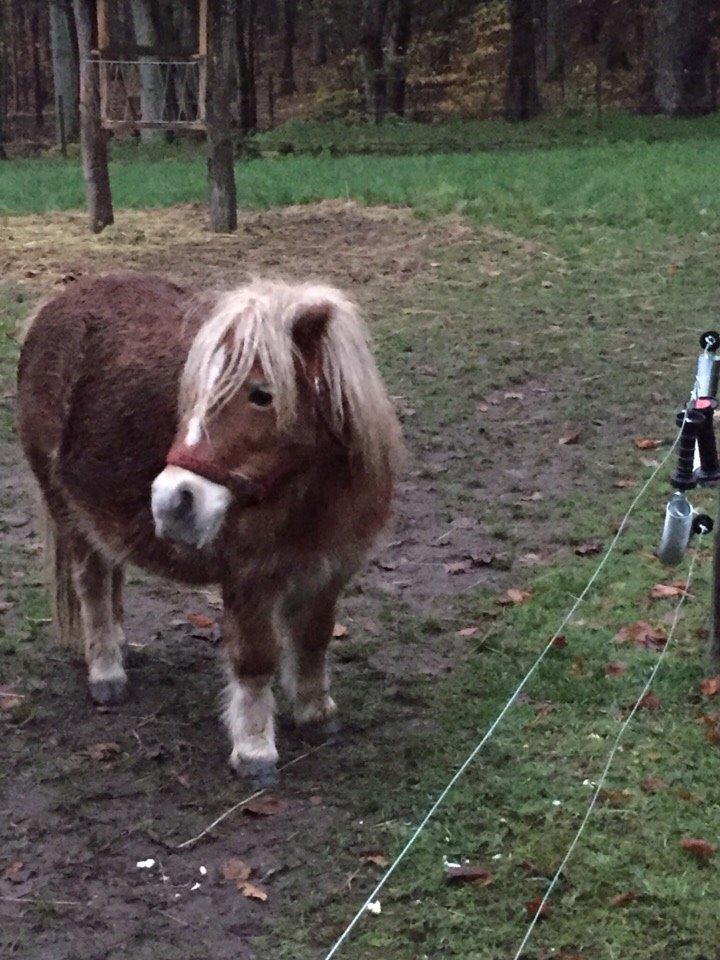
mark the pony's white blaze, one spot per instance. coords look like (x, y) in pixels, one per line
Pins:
(205, 505)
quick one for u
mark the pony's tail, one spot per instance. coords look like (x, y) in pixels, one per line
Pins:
(58, 571)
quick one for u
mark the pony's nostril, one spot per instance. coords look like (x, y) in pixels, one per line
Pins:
(183, 503)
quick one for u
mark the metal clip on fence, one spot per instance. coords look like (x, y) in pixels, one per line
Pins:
(697, 463)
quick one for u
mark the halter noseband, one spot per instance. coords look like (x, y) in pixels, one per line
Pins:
(251, 491)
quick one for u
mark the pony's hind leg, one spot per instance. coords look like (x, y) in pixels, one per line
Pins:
(252, 649)
(305, 675)
(98, 584)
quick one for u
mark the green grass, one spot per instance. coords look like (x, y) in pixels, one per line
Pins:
(630, 182)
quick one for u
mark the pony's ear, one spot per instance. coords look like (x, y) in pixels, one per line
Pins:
(308, 329)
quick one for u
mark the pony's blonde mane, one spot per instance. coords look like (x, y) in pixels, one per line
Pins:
(254, 324)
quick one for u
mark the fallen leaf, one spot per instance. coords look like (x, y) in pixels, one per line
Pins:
(235, 869)
(687, 797)
(615, 668)
(427, 370)
(569, 438)
(455, 568)
(577, 669)
(12, 870)
(618, 798)
(513, 595)
(624, 483)
(200, 621)
(102, 751)
(642, 635)
(649, 701)
(533, 497)
(316, 800)
(645, 443)
(622, 899)
(663, 591)
(483, 559)
(374, 856)
(339, 631)
(514, 396)
(467, 632)
(589, 548)
(467, 873)
(710, 686)
(4, 606)
(253, 891)
(672, 269)
(700, 849)
(9, 700)
(652, 784)
(537, 908)
(559, 642)
(266, 806)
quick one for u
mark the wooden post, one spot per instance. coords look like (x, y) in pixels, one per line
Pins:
(715, 611)
(61, 125)
(202, 56)
(93, 139)
(221, 94)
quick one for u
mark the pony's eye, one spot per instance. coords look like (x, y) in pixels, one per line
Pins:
(259, 397)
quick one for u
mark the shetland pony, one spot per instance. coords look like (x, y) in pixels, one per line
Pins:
(242, 438)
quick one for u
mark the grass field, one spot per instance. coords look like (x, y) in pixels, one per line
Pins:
(574, 307)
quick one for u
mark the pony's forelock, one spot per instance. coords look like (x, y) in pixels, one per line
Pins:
(255, 324)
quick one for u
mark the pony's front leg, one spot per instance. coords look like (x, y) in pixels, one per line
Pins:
(305, 675)
(252, 648)
(98, 584)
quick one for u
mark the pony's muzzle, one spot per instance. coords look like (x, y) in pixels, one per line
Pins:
(187, 508)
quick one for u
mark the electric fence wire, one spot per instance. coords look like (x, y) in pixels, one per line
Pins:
(498, 720)
(611, 756)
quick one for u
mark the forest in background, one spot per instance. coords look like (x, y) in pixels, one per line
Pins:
(329, 60)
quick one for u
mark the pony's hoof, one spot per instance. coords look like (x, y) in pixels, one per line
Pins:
(260, 774)
(325, 731)
(106, 692)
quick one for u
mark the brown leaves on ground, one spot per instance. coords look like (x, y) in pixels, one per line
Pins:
(467, 873)
(513, 596)
(625, 483)
(454, 569)
(642, 635)
(102, 751)
(615, 668)
(374, 856)
(339, 631)
(710, 686)
(702, 850)
(200, 621)
(652, 784)
(649, 701)
(537, 907)
(467, 632)
(622, 899)
(559, 642)
(237, 871)
(665, 591)
(9, 699)
(12, 871)
(589, 548)
(645, 443)
(711, 724)
(571, 437)
(266, 806)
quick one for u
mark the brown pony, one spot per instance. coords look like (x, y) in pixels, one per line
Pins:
(241, 438)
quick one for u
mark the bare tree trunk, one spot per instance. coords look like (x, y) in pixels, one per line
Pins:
(320, 52)
(683, 81)
(522, 100)
(252, 71)
(287, 73)
(39, 92)
(401, 42)
(555, 38)
(65, 68)
(3, 80)
(221, 62)
(244, 77)
(372, 46)
(152, 97)
(92, 136)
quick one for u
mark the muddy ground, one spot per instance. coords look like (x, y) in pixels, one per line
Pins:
(89, 793)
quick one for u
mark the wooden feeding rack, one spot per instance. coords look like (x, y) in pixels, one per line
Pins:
(175, 77)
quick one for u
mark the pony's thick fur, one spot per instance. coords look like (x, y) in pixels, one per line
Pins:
(116, 371)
